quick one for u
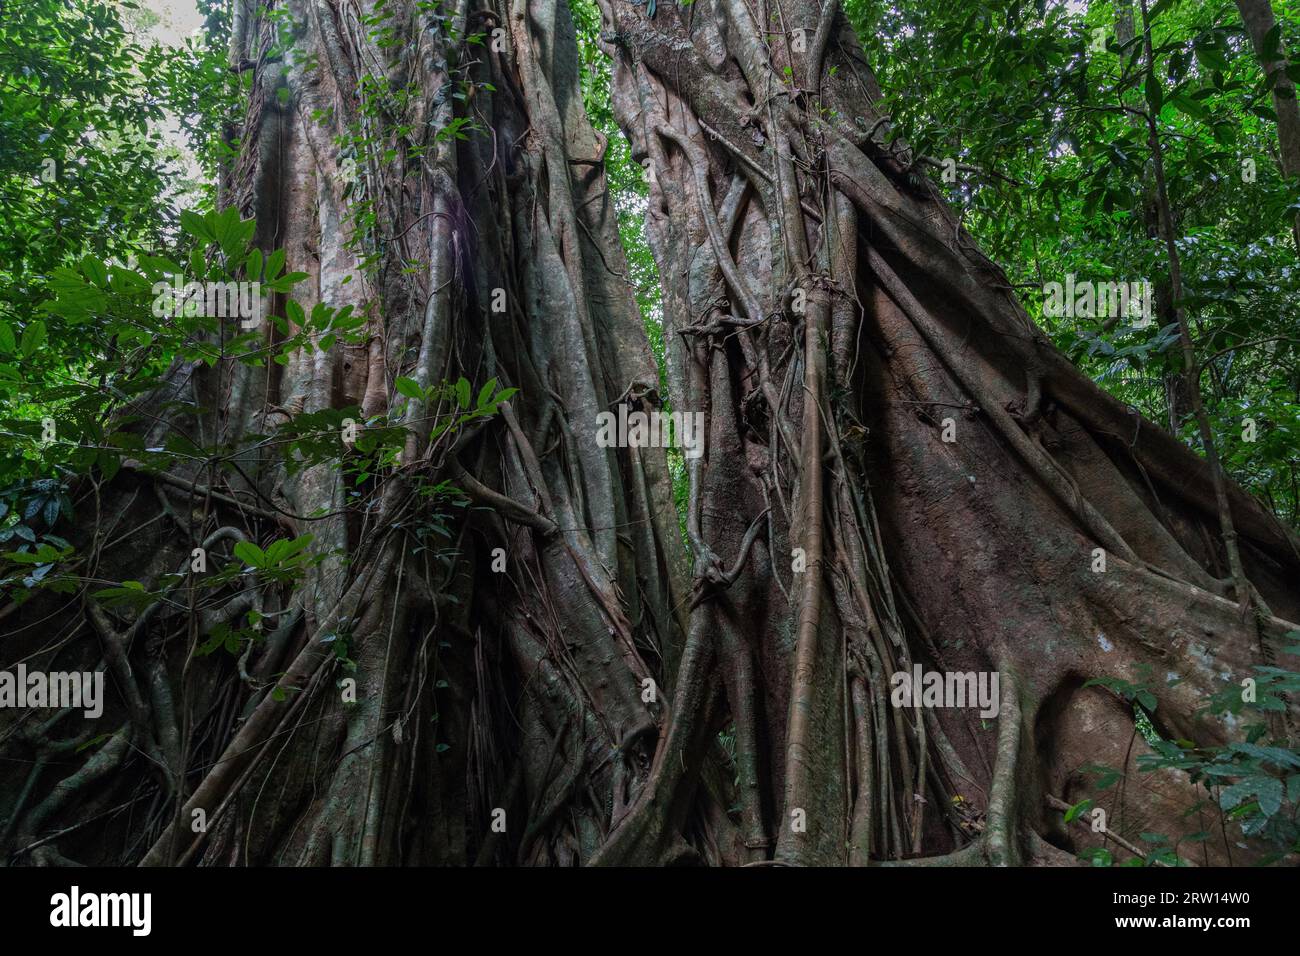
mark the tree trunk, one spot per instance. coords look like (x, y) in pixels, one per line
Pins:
(773, 187)
(1259, 20)
(490, 255)
(832, 322)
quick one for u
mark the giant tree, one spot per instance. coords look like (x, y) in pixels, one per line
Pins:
(496, 646)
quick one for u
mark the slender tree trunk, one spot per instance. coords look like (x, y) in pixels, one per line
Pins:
(1174, 381)
(1259, 20)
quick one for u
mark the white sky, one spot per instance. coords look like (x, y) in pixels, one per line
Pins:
(180, 18)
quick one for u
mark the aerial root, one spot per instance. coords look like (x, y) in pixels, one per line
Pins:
(999, 844)
(1000, 835)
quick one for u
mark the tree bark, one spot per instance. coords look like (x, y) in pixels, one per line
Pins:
(773, 185)
(830, 319)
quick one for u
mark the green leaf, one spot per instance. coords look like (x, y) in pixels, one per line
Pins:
(42, 555)
(1081, 807)
(1097, 856)
(128, 594)
(7, 343)
(196, 226)
(485, 393)
(33, 337)
(1278, 756)
(284, 283)
(1189, 106)
(274, 263)
(1268, 790)
(408, 387)
(1271, 48)
(1211, 57)
(284, 549)
(250, 554)
(1154, 93)
(225, 226)
(1159, 8)
(94, 270)
(1269, 793)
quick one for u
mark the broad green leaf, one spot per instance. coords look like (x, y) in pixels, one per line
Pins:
(1154, 93)
(250, 554)
(94, 270)
(33, 337)
(408, 387)
(196, 226)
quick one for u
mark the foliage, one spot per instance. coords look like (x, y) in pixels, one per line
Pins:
(1043, 106)
(1252, 785)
